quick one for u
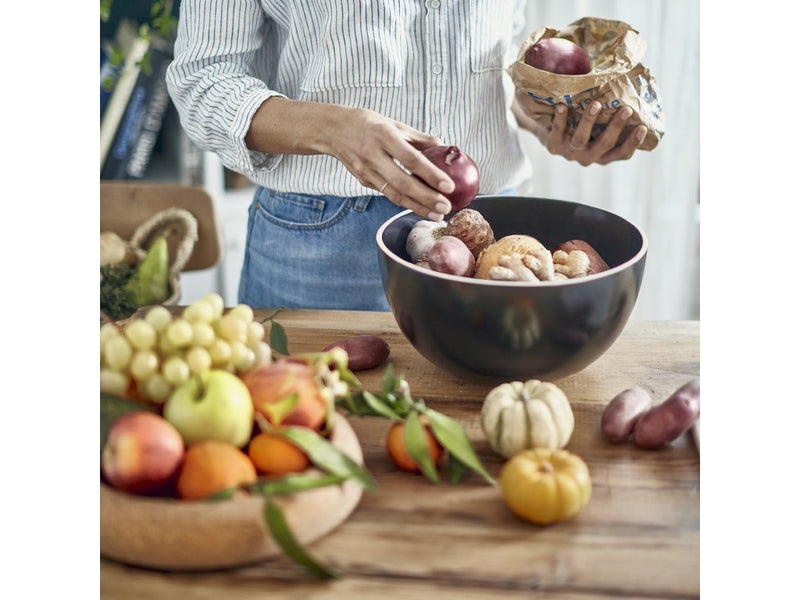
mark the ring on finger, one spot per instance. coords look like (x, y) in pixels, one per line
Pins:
(383, 187)
(576, 148)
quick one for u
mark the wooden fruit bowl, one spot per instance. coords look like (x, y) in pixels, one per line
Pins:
(172, 534)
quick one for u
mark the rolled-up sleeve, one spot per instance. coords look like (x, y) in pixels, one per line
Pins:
(212, 81)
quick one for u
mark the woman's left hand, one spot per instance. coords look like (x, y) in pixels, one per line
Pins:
(579, 146)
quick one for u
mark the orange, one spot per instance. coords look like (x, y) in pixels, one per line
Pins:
(396, 448)
(211, 466)
(275, 455)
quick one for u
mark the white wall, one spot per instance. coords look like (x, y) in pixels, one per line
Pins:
(658, 190)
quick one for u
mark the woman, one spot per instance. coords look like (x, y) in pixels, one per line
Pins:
(326, 106)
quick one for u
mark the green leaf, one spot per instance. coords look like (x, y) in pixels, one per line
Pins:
(277, 411)
(417, 446)
(380, 407)
(223, 494)
(452, 436)
(283, 536)
(455, 469)
(326, 456)
(105, 10)
(353, 403)
(277, 334)
(294, 482)
(388, 382)
(117, 57)
(277, 338)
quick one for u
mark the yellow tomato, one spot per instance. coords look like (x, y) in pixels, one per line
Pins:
(545, 486)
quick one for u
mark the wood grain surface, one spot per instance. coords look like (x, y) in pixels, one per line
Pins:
(639, 536)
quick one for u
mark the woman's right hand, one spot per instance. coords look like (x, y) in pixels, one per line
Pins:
(370, 146)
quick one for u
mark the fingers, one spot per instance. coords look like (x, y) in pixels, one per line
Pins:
(626, 149)
(418, 184)
(609, 139)
(556, 138)
(410, 155)
(406, 190)
(583, 132)
(608, 146)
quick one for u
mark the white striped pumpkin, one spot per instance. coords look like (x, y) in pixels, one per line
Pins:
(518, 416)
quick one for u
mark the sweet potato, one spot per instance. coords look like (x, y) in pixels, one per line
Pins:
(363, 351)
(669, 420)
(621, 414)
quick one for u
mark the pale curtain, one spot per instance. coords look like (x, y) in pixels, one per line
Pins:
(657, 190)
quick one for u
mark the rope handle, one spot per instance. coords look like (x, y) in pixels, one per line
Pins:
(164, 218)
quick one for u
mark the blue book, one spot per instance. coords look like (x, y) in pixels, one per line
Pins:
(138, 130)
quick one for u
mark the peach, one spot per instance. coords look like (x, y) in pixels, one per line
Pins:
(142, 454)
(272, 386)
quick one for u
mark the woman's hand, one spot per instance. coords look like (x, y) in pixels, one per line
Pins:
(368, 144)
(579, 146)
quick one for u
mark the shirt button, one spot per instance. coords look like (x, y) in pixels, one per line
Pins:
(434, 4)
(435, 132)
(437, 69)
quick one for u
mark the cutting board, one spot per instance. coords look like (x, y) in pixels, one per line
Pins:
(171, 534)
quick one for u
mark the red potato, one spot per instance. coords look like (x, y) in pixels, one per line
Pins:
(450, 255)
(669, 420)
(363, 351)
(621, 414)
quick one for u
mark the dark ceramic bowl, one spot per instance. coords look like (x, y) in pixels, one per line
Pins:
(516, 330)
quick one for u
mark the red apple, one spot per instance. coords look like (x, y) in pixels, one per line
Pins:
(558, 55)
(142, 454)
(287, 393)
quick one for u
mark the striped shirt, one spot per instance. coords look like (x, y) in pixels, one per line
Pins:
(436, 65)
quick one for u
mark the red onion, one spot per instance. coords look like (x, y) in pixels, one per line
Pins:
(558, 55)
(461, 169)
(450, 255)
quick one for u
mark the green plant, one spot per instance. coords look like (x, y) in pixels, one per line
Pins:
(160, 22)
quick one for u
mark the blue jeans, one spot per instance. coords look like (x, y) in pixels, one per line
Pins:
(307, 251)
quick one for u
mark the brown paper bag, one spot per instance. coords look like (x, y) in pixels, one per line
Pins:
(617, 78)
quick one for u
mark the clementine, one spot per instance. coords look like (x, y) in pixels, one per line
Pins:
(211, 466)
(396, 448)
(274, 455)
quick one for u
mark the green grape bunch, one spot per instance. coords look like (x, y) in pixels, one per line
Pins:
(161, 350)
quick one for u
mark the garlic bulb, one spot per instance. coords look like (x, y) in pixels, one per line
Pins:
(421, 237)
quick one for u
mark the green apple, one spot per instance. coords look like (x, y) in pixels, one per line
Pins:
(212, 405)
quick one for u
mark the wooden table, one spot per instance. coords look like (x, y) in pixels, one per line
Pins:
(639, 536)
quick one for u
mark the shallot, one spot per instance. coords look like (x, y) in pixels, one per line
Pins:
(450, 255)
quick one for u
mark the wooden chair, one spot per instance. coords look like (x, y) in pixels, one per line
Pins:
(125, 205)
